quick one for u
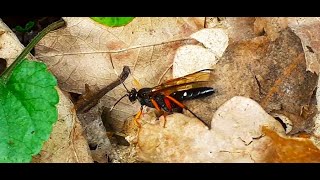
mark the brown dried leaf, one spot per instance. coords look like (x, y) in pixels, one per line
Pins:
(290, 150)
(270, 72)
(270, 26)
(306, 28)
(308, 31)
(66, 143)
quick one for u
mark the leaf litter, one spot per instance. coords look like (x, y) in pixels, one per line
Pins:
(265, 60)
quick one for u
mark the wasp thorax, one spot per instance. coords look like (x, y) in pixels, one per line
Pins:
(144, 93)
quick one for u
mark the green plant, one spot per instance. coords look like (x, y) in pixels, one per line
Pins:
(28, 100)
(113, 21)
(26, 28)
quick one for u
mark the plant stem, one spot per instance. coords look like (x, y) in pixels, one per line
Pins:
(89, 100)
(6, 74)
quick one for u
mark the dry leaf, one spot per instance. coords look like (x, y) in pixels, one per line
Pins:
(214, 39)
(237, 28)
(235, 136)
(270, 26)
(67, 143)
(306, 28)
(290, 150)
(308, 31)
(316, 131)
(241, 132)
(78, 54)
(192, 58)
(270, 72)
(291, 87)
(9, 44)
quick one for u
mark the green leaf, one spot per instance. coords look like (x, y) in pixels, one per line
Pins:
(27, 27)
(27, 111)
(113, 21)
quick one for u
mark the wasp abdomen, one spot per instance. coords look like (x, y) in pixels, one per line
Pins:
(193, 93)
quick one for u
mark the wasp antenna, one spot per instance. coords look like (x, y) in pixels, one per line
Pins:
(117, 102)
(117, 73)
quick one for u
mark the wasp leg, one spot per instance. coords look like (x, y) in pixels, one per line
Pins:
(138, 116)
(185, 107)
(168, 104)
(155, 104)
(165, 119)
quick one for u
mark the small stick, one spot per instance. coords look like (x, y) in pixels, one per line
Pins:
(89, 100)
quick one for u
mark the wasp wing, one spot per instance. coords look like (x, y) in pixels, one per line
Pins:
(194, 80)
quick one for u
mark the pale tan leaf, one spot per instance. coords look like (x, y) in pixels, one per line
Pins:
(9, 44)
(214, 39)
(235, 136)
(67, 142)
(241, 132)
(192, 58)
(237, 28)
(78, 54)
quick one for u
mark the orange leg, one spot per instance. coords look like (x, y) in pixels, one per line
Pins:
(165, 119)
(176, 102)
(155, 104)
(184, 107)
(138, 116)
(168, 104)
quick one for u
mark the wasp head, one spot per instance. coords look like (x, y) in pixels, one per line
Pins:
(133, 95)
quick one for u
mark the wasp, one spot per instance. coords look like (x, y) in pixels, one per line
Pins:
(168, 96)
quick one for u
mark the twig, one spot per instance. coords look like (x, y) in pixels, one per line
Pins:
(89, 100)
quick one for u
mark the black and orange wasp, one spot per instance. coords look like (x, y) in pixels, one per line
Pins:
(168, 96)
